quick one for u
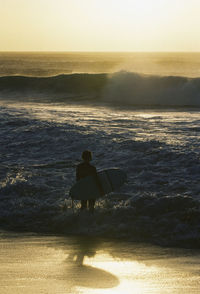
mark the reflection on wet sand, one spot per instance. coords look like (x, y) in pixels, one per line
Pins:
(84, 275)
(74, 265)
(91, 277)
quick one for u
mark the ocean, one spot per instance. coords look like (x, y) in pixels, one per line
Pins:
(135, 111)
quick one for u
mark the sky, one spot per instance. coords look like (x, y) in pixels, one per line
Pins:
(99, 25)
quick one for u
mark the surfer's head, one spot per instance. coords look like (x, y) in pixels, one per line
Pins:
(87, 155)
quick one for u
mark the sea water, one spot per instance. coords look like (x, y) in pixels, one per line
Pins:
(135, 111)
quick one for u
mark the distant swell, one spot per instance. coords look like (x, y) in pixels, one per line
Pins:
(124, 88)
(61, 84)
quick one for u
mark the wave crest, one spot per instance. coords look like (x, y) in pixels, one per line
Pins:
(136, 89)
(124, 88)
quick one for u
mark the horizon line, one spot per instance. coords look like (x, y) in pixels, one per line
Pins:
(84, 51)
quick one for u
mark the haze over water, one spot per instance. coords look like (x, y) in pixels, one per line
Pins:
(54, 63)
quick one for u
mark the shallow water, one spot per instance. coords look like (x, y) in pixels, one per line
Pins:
(159, 150)
(48, 264)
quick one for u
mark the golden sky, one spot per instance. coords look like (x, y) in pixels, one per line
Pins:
(100, 25)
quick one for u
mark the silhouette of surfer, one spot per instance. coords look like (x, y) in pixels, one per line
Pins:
(85, 169)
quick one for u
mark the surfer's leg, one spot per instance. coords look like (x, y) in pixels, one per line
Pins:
(83, 204)
(91, 205)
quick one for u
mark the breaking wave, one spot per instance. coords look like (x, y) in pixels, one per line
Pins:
(167, 221)
(124, 88)
(158, 204)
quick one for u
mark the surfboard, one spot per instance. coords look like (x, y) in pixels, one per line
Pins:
(87, 188)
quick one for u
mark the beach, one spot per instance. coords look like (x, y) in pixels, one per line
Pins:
(57, 264)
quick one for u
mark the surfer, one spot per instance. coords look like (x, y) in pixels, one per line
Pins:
(85, 169)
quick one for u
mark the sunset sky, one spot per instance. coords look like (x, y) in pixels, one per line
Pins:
(100, 25)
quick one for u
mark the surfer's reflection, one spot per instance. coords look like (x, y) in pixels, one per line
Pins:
(84, 275)
(86, 247)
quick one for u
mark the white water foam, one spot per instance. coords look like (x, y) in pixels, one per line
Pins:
(159, 150)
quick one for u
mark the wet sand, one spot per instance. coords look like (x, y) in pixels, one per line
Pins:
(47, 264)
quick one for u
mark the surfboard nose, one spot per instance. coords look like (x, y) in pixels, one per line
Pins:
(117, 176)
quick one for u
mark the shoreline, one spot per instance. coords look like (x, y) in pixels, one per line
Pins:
(47, 264)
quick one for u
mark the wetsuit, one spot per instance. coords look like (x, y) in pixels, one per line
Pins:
(83, 170)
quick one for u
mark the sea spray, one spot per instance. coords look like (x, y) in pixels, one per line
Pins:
(41, 145)
(122, 88)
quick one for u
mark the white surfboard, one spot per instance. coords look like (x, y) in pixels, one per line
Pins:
(87, 188)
